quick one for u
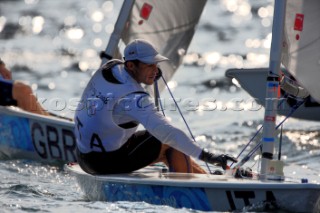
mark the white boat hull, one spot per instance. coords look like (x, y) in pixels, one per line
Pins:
(199, 192)
(25, 135)
(254, 82)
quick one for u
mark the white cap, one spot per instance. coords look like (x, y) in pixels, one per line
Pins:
(144, 51)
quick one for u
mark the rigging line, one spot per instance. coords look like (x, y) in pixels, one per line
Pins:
(294, 108)
(253, 137)
(280, 124)
(250, 141)
(175, 102)
(249, 155)
(159, 100)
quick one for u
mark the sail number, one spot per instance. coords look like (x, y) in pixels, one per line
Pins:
(246, 196)
(53, 142)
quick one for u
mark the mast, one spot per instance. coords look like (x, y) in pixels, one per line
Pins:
(269, 131)
(117, 31)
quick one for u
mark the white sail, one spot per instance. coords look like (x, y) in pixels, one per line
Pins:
(301, 46)
(168, 24)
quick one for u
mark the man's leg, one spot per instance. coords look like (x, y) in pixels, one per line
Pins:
(178, 161)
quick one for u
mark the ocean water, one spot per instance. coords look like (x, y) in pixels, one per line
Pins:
(54, 46)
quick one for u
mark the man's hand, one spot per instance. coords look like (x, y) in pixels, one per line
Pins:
(217, 160)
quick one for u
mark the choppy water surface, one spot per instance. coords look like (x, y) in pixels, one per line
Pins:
(54, 45)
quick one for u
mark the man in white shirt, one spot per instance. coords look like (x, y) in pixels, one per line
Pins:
(112, 106)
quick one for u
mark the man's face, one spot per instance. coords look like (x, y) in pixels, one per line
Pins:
(146, 73)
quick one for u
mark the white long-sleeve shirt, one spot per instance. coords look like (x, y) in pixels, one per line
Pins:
(141, 109)
(108, 103)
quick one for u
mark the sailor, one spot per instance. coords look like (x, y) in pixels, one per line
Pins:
(17, 93)
(107, 117)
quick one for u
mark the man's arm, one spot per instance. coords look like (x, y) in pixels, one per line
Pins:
(4, 72)
(141, 109)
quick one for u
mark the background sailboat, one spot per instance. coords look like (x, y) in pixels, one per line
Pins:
(253, 81)
(301, 58)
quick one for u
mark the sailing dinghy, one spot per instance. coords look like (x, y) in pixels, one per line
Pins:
(301, 58)
(253, 81)
(237, 189)
(199, 191)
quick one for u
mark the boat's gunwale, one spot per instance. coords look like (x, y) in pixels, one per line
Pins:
(202, 180)
(15, 111)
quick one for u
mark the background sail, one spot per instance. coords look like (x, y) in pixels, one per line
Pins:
(168, 24)
(301, 47)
